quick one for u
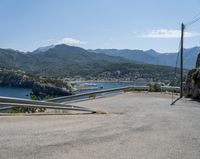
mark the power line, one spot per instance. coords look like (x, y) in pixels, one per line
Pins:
(192, 22)
(197, 15)
(195, 19)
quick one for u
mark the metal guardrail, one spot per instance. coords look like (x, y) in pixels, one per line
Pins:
(8, 103)
(170, 88)
(99, 92)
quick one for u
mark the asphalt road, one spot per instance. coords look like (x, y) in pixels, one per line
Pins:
(138, 126)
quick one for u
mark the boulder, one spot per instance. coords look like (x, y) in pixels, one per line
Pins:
(192, 89)
(193, 84)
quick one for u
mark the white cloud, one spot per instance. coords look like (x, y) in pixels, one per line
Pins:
(167, 33)
(49, 41)
(70, 41)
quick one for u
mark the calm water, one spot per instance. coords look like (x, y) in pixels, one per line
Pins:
(23, 92)
(15, 92)
(109, 85)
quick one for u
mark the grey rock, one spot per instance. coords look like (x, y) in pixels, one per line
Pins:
(193, 82)
(20, 79)
(15, 79)
(198, 61)
(50, 89)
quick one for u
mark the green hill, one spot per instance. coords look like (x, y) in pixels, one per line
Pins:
(68, 61)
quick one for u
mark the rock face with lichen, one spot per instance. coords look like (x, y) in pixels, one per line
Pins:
(193, 81)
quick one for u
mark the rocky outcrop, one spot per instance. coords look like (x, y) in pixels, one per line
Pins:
(40, 87)
(193, 81)
(15, 79)
(50, 89)
(198, 62)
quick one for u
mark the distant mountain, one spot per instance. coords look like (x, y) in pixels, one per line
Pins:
(153, 57)
(15, 59)
(57, 60)
(69, 61)
(43, 49)
(137, 55)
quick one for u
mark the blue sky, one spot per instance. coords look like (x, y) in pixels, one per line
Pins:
(123, 24)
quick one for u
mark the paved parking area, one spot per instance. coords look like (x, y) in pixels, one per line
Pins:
(138, 125)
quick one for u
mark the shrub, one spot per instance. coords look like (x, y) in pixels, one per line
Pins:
(154, 88)
(28, 109)
(92, 96)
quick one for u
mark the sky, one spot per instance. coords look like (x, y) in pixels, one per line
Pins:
(26, 25)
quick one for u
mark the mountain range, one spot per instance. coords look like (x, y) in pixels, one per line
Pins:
(69, 61)
(153, 57)
(57, 60)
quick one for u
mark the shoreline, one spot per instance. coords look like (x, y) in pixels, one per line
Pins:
(98, 81)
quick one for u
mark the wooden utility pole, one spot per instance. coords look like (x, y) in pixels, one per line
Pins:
(181, 60)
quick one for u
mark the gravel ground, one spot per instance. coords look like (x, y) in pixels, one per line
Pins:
(138, 126)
